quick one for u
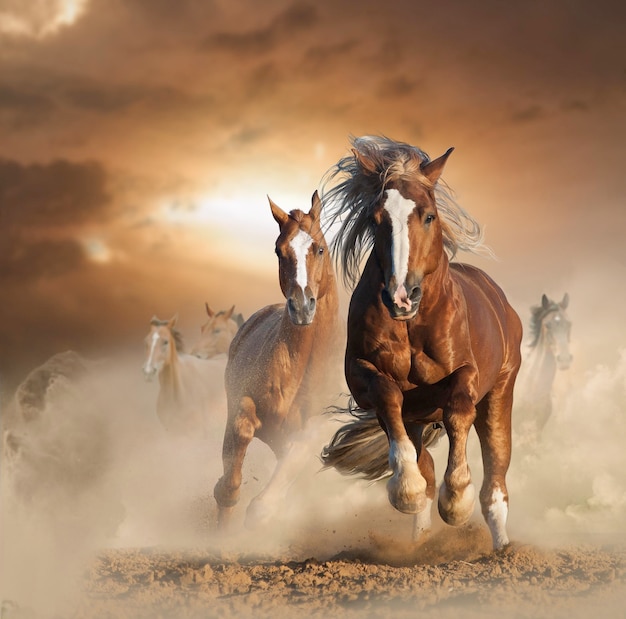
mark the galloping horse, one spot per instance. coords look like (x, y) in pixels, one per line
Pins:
(191, 389)
(428, 340)
(281, 365)
(216, 333)
(549, 350)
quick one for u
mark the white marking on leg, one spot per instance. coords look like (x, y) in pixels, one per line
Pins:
(422, 521)
(300, 244)
(399, 209)
(497, 514)
(406, 487)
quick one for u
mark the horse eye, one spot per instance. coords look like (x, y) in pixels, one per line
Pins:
(429, 219)
(320, 251)
(166, 342)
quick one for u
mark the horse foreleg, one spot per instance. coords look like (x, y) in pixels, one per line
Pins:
(406, 488)
(240, 430)
(289, 464)
(493, 426)
(457, 493)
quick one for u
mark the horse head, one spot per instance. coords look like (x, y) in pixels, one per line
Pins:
(408, 235)
(161, 342)
(302, 259)
(216, 333)
(555, 329)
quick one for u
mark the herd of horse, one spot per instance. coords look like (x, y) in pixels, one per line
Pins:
(430, 347)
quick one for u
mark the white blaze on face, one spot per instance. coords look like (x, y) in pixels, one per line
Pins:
(300, 244)
(399, 209)
(153, 342)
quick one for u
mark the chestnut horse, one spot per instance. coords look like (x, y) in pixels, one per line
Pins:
(549, 351)
(216, 333)
(428, 340)
(191, 389)
(281, 367)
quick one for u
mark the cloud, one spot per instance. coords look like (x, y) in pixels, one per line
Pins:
(38, 198)
(30, 18)
(58, 193)
(296, 18)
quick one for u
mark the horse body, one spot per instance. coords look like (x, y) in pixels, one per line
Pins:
(549, 352)
(190, 388)
(276, 372)
(427, 341)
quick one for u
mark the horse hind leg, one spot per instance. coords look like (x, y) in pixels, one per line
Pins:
(493, 426)
(240, 430)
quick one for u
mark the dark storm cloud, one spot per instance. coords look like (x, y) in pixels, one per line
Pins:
(22, 261)
(58, 193)
(296, 18)
(20, 108)
(36, 197)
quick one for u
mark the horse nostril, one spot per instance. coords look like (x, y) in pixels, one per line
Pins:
(312, 303)
(415, 294)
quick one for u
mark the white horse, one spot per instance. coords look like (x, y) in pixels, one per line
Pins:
(191, 399)
(549, 351)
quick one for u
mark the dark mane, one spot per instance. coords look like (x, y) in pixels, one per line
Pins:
(537, 316)
(351, 202)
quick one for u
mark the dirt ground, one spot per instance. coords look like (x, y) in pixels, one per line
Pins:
(134, 537)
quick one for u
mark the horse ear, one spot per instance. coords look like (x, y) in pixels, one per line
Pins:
(209, 311)
(279, 215)
(545, 302)
(172, 321)
(368, 164)
(229, 313)
(154, 320)
(316, 206)
(565, 302)
(433, 169)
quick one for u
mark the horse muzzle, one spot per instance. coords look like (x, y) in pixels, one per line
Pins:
(149, 372)
(402, 305)
(563, 361)
(301, 306)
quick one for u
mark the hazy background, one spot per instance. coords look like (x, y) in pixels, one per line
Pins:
(138, 142)
(139, 139)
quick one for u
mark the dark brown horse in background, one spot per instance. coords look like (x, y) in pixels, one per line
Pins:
(283, 365)
(428, 341)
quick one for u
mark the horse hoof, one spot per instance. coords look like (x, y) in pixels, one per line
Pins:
(456, 508)
(407, 503)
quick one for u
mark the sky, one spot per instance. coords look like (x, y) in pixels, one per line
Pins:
(139, 140)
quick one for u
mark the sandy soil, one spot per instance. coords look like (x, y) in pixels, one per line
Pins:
(135, 536)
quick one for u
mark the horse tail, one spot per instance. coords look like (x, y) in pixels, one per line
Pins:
(361, 447)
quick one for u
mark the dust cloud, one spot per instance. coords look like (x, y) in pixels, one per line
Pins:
(96, 470)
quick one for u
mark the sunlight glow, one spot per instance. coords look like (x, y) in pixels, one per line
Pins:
(38, 19)
(97, 250)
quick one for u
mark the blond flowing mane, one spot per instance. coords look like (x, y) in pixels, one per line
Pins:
(350, 196)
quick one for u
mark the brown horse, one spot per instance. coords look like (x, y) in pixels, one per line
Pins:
(280, 363)
(216, 333)
(428, 341)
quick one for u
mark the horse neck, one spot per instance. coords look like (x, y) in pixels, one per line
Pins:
(434, 286)
(169, 377)
(541, 366)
